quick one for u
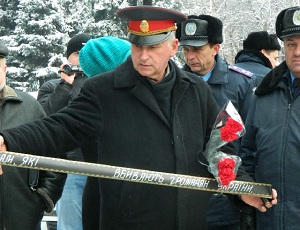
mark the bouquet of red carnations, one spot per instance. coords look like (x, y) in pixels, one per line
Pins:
(228, 127)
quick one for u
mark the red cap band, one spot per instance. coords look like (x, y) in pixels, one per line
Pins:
(145, 28)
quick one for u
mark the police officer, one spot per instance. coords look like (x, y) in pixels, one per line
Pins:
(200, 38)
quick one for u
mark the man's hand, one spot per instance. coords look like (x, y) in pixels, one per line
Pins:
(68, 78)
(258, 203)
(2, 148)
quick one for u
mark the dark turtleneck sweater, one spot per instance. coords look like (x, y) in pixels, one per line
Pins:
(162, 91)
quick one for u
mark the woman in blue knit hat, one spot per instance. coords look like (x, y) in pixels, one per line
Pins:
(103, 54)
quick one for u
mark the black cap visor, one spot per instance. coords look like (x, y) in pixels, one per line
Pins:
(195, 43)
(148, 40)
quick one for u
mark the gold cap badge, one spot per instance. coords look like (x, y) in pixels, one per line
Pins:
(144, 26)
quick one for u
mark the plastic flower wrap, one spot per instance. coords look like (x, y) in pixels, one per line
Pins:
(228, 127)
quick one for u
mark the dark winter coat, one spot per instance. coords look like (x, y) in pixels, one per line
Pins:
(56, 94)
(236, 85)
(255, 62)
(25, 194)
(270, 148)
(119, 109)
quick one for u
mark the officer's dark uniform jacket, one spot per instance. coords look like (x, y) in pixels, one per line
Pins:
(25, 194)
(57, 94)
(122, 110)
(270, 147)
(236, 85)
(255, 62)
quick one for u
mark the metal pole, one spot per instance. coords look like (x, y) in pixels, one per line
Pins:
(22, 160)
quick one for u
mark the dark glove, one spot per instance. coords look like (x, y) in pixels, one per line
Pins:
(247, 218)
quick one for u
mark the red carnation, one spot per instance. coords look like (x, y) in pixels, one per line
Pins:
(228, 127)
(229, 132)
(226, 170)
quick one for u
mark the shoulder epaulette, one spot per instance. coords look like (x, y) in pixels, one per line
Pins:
(241, 71)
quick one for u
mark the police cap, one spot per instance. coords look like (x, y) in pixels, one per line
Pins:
(288, 22)
(149, 25)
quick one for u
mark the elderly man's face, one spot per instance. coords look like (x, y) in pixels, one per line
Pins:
(151, 61)
(292, 53)
(2, 72)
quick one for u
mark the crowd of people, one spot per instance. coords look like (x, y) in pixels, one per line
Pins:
(126, 103)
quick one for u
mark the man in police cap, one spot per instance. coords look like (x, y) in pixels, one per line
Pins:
(147, 114)
(200, 38)
(25, 193)
(270, 147)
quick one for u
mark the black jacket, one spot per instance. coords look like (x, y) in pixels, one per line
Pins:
(25, 194)
(120, 110)
(57, 94)
(271, 147)
(54, 95)
(255, 62)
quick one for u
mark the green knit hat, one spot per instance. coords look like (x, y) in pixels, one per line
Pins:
(103, 54)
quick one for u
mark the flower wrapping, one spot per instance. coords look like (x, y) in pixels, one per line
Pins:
(228, 127)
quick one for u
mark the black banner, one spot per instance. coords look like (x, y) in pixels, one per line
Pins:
(131, 174)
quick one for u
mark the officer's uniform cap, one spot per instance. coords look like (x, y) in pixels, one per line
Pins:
(149, 25)
(200, 30)
(194, 33)
(288, 22)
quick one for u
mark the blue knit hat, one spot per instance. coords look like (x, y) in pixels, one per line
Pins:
(103, 54)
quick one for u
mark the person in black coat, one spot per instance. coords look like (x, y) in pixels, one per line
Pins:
(146, 114)
(98, 56)
(25, 193)
(259, 54)
(54, 95)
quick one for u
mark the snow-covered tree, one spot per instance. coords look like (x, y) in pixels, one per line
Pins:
(39, 36)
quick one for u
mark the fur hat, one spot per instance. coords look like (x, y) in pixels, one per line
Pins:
(288, 22)
(199, 30)
(3, 50)
(261, 40)
(76, 43)
(103, 54)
